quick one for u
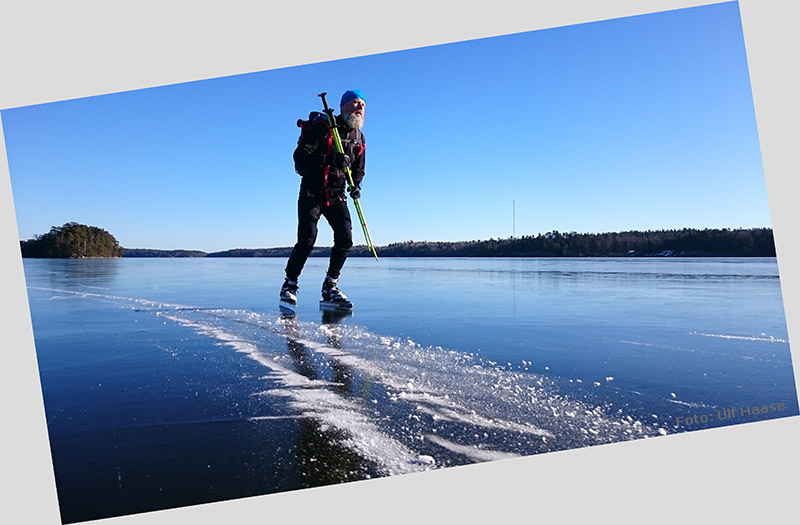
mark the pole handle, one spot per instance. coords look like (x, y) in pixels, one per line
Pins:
(328, 110)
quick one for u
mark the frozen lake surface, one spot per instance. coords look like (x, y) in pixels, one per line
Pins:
(172, 382)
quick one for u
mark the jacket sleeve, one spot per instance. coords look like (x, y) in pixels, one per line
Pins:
(311, 149)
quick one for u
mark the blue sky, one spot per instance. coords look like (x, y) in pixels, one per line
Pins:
(644, 122)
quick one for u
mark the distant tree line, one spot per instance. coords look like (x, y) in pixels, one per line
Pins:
(757, 242)
(72, 240)
(147, 252)
(77, 240)
(260, 252)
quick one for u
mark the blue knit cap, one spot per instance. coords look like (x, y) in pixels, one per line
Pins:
(350, 95)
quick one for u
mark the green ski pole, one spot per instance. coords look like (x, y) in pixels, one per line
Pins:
(338, 142)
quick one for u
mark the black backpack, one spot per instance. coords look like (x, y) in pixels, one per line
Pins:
(315, 117)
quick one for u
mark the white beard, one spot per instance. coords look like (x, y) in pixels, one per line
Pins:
(353, 121)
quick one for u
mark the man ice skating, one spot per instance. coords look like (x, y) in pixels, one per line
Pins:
(323, 192)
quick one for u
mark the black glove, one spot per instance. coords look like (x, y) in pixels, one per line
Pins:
(355, 192)
(339, 160)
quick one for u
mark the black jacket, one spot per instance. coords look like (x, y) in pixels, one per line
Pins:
(315, 143)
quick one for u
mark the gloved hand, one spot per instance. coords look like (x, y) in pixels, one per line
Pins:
(339, 160)
(355, 192)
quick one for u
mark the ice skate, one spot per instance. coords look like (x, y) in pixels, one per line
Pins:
(333, 297)
(288, 302)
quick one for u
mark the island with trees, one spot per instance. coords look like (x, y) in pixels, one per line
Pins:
(72, 241)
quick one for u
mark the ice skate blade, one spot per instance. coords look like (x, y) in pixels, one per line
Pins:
(287, 308)
(338, 306)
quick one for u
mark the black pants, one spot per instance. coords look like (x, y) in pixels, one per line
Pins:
(309, 209)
